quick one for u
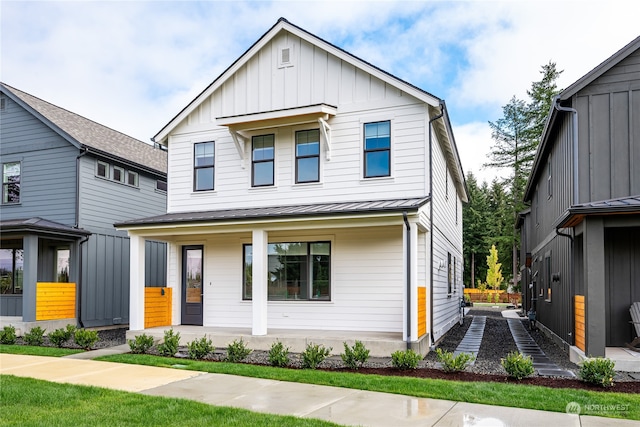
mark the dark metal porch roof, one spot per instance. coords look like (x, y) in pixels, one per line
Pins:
(623, 205)
(41, 226)
(249, 214)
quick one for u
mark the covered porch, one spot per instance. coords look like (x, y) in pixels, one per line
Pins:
(359, 272)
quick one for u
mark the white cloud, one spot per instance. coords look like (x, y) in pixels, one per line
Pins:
(474, 144)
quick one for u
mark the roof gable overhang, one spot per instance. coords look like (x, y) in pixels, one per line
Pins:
(41, 227)
(621, 206)
(284, 25)
(565, 99)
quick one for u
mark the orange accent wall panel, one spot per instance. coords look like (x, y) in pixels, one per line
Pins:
(157, 307)
(55, 301)
(580, 315)
(422, 311)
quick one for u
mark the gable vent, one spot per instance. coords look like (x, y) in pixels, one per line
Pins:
(285, 57)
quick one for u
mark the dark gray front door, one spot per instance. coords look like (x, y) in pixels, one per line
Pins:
(192, 285)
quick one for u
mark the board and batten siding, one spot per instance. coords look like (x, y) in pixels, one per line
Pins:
(609, 133)
(367, 287)
(104, 202)
(48, 167)
(341, 177)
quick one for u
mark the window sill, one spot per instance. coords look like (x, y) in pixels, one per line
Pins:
(307, 184)
(377, 179)
(137, 187)
(264, 188)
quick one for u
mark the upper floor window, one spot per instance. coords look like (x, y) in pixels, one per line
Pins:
(549, 180)
(132, 178)
(377, 149)
(161, 185)
(262, 156)
(203, 166)
(118, 174)
(308, 156)
(102, 169)
(11, 182)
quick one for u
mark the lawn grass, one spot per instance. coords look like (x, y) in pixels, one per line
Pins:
(38, 351)
(28, 402)
(618, 405)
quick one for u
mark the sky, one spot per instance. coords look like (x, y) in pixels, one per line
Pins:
(133, 65)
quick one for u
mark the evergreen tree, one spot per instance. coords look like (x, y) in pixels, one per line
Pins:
(476, 219)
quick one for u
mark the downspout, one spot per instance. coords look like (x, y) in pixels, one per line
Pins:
(406, 223)
(576, 195)
(77, 225)
(431, 219)
(558, 107)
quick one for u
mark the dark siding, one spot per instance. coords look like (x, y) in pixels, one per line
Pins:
(155, 264)
(11, 305)
(48, 169)
(622, 265)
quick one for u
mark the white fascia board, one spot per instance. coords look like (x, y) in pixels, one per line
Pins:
(319, 110)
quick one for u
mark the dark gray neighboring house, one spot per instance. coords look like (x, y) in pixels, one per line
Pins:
(581, 235)
(65, 181)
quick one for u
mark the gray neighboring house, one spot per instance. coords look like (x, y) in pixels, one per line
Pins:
(65, 181)
(581, 235)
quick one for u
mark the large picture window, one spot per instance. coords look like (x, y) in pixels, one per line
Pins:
(11, 271)
(377, 149)
(308, 156)
(203, 166)
(11, 183)
(296, 271)
(262, 155)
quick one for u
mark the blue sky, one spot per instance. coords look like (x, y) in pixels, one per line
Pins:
(132, 65)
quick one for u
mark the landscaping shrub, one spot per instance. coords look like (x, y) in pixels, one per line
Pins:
(169, 347)
(451, 363)
(407, 359)
(198, 349)
(313, 355)
(598, 370)
(85, 338)
(356, 356)
(236, 351)
(62, 335)
(517, 365)
(141, 344)
(278, 355)
(8, 335)
(35, 336)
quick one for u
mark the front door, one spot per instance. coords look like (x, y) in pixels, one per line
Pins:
(192, 285)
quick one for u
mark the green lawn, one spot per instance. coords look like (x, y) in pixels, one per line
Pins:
(38, 351)
(27, 402)
(622, 405)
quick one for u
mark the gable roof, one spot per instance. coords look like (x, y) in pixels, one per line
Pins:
(85, 133)
(621, 206)
(283, 25)
(566, 96)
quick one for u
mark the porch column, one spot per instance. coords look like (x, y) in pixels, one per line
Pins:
(594, 287)
(136, 282)
(410, 262)
(174, 260)
(29, 277)
(259, 291)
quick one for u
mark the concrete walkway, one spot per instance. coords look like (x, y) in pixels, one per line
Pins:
(338, 405)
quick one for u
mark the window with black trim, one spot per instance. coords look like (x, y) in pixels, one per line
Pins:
(296, 271)
(450, 274)
(11, 270)
(549, 180)
(11, 174)
(132, 178)
(203, 166)
(547, 276)
(262, 157)
(62, 265)
(307, 156)
(161, 185)
(377, 149)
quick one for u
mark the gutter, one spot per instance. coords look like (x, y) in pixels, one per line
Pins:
(84, 151)
(406, 222)
(77, 225)
(572, 286)
(431, 219)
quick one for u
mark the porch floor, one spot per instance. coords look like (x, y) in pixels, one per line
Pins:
(626, 360)
(380, 344)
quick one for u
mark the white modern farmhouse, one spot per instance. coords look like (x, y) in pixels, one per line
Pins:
(309, 193)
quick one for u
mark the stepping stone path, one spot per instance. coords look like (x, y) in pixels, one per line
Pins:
(528, 347)
(473, 338)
